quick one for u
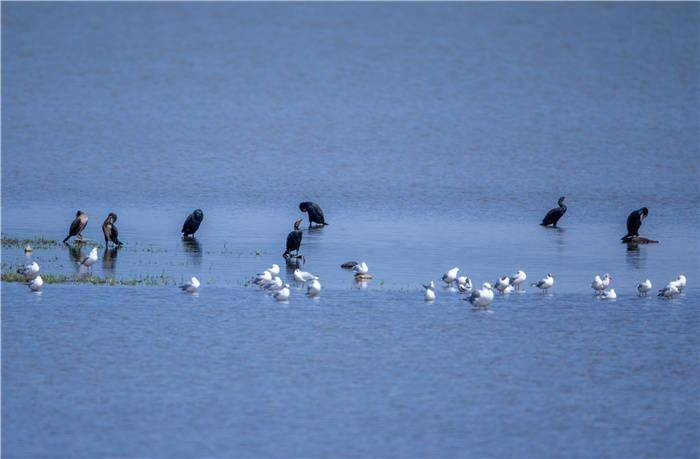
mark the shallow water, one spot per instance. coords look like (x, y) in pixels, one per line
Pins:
(433, 136)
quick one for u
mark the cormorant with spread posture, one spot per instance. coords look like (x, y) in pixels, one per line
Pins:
(315, 213)
(78, 225)
(192, 223)
(555, 214)
(293, 240)
(634, 221)
(110, 230)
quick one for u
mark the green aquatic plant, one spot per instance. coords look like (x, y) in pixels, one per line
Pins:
(41, 242)
(12, 276)
(36, 242)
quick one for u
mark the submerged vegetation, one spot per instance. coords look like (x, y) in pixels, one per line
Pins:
(11, 276)
(37, 242)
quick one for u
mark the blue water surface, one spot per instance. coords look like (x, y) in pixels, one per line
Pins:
(433, 135)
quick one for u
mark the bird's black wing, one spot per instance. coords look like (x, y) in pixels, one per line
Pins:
(315, 213)
(115, 234)
(294, 240)
(186, 225)
(552, 217)
(634, 222)
(74, 227)
(191, 224)
(106, 231)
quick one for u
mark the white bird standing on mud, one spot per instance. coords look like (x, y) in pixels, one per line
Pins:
(191, 286)
(483, 297)
(283, 294)
(361, 268)
(450, 276)
(362, 272)
(30, 271)
(429, 291)
(644, 287)
(517, 279)
(303, 276)
(90, 259)
(35, 284)
(313, 288)
(502, 284)
(609, 295)
(544, 284)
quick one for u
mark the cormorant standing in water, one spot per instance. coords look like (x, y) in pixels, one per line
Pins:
(78, 225)
(192, 223)
(110, 230)
(555, 214)
(293, 240)
(315, 213)
(634, 221)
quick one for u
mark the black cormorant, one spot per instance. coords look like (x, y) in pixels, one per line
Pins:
(315, 213)
(293, 240)
(110, 230)
(192, 223)
(555, 214)
(78, 225)
(634, 221)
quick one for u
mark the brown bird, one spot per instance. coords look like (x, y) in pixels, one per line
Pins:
(110, 230)
(78, 225)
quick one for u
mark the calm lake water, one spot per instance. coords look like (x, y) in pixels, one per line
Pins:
(433, 135)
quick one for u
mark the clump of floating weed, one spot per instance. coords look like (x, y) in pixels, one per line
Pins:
(55, 278)
(37, 242)
(11, 276)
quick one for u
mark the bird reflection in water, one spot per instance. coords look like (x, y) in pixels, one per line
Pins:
(75, 253)
(315, 230)
(193, 250)
(560, 238)
(293, 263)
(635, 257)
(360, 284)
(109, 260)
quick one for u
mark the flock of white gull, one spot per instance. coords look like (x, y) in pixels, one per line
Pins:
(270, 281)
(507, 284)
